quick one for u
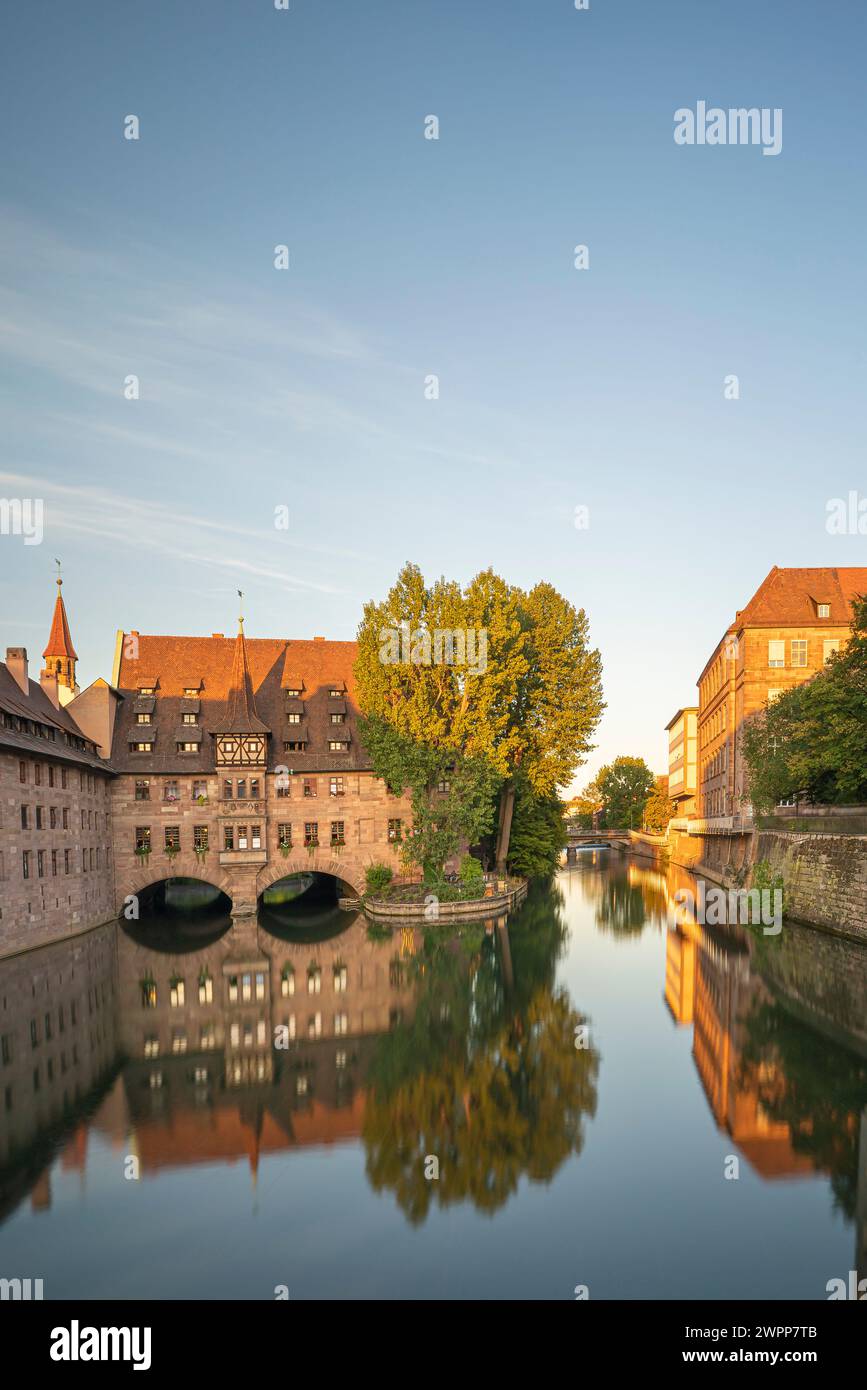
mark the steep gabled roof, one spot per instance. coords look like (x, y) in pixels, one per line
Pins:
(60, 638)
(240, 716)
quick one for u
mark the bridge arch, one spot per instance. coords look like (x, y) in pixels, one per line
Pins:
(146, 878)
(350, 877)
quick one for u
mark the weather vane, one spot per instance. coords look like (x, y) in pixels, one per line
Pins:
(57, 563)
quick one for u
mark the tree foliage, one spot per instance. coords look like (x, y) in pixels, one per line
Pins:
(538, 834)
(659, 808)
(526, 703)
(625, 786)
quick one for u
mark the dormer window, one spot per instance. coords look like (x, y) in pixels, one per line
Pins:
(294, 694)
(335, 694)
(824, 610)
(146, 689)
(191, 692)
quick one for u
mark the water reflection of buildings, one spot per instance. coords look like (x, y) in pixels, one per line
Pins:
(205, 1079)
(712, 983)
(191, 1038)
(58, 1049)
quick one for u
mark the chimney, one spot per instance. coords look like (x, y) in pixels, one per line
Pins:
(48, 681)
(16, 664)
(318, 639)
(216, 634)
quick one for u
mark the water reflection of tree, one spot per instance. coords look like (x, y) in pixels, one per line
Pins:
(812, 1085)
(621, 907)
(484, 1077)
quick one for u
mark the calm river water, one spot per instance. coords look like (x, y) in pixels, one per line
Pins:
(156, 1143)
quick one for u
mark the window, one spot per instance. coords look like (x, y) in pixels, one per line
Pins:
(54, 863)
(341, 1024)
(799, 652)
(774, 693)
(228, 837)
(22, 773)
(829, 647)
(777, 653)
(142, 789)
(241, 792)
(311, 833)
(310, 786)
(199, 790)
(191, 692)
(335, 786)
(170, 791)
(293, 718)
(66, 861)
(189, 719)
(242, 837)
(340, 976)
(63, 778)
(142, 748)
(177, 993)
(25, 863)
(25, 812)
(293, 694)
(824, 612)
(284, 835)
(188, 747)
(256, 836)
(337, 745)
(338, 718)
(37, 774)
(254, 788)
(40, 863)
(206, 989)
(38, 817)
(314, 980)
(200, 838)
(394, 830)
(337, 837)
(293, 746)
(443, 784)
(173, 837)
(65, 814)
(335, 694)
(146, 689)
(51, 776)
(142, 719)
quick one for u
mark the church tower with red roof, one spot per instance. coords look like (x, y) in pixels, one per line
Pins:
(60, 656)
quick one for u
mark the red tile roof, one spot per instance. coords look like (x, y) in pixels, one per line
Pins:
(790, 597)
(60, 639)
(259, 678)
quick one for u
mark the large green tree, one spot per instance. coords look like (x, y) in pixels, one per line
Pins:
(812, 740)
(659, 808)
(625, 786)
(490, 673)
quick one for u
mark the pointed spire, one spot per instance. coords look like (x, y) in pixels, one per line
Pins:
(241, 716)
(60, 638)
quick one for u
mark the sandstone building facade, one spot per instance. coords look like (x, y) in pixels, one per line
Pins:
(56, 871)
(232, 761)
(784, 636)
(238, 762)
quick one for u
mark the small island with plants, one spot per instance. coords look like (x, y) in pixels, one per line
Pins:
(467, 895)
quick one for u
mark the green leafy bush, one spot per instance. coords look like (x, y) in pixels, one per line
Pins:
(471, 872)
(377, 877)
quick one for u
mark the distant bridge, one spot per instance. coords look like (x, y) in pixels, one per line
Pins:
(596, 839)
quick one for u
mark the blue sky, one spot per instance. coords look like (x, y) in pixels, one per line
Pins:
(408, 257)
